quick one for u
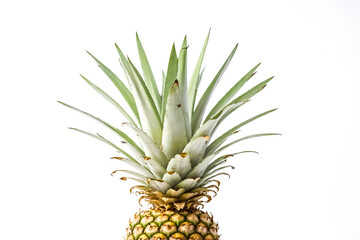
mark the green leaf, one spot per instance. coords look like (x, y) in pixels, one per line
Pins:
(199, 169)
(196, 149)
(212, 173)
(135, 179)
(204, 181)
(172, 178)
(159, 185)
(181, 164)
(207, 128)
(201, 106)
(243, 98)
(124, 62)
(150, 117)
(163, 85)
(196, 77)
(217, 142)
(129, 98)
(250, 93)
(170, 78)
(148, 74)
(174, 136)
(231, 93)
(182, 78)
(223, 159)
(129, 160)
(187, 184)
(155, 168)
(247, 137)
(110, 99)
(150, 148)
(136, 174)
(119, 132)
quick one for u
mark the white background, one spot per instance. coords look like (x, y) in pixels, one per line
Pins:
(55, 183)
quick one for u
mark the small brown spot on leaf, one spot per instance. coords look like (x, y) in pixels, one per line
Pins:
(207, 138)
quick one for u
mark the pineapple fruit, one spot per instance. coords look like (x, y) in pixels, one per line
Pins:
(176, 160)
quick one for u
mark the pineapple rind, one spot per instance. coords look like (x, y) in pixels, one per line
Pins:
(186, 225)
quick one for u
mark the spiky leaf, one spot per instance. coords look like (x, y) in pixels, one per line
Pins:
(174, 133)
(200, 108)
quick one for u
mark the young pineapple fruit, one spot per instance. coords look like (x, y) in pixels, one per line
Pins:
(176, 160)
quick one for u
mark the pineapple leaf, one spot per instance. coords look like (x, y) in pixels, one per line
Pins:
(228, 96)
(130, 160)
(207, 128)
(217, 142)
(116, 130)
(187, 184)
(223, 159)
(213, 172)
(243, 98)
(124, 62)
(174, 136)
(129, 98)
(148, 74)
(150, 148)
(172, 178)
(151, 122)
(169, 80)
(195, 78)
(163, 84)
(201, 106)
(110, 99)
(199, 170)
(136, 174)
(160, 185)
(250, 93)
(182, 78)
(134, 179)
(196, 149)
(155, 167)
(180, 164)
(204, 181)
(247, 137)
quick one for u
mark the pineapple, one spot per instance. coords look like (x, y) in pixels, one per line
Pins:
(176, 161)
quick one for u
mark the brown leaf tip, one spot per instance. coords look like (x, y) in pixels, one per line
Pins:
(207, 138)
(183, 155)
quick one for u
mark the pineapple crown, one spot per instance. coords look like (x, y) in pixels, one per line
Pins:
(176, 161)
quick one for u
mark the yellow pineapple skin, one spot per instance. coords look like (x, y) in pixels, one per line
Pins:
(158, 224)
